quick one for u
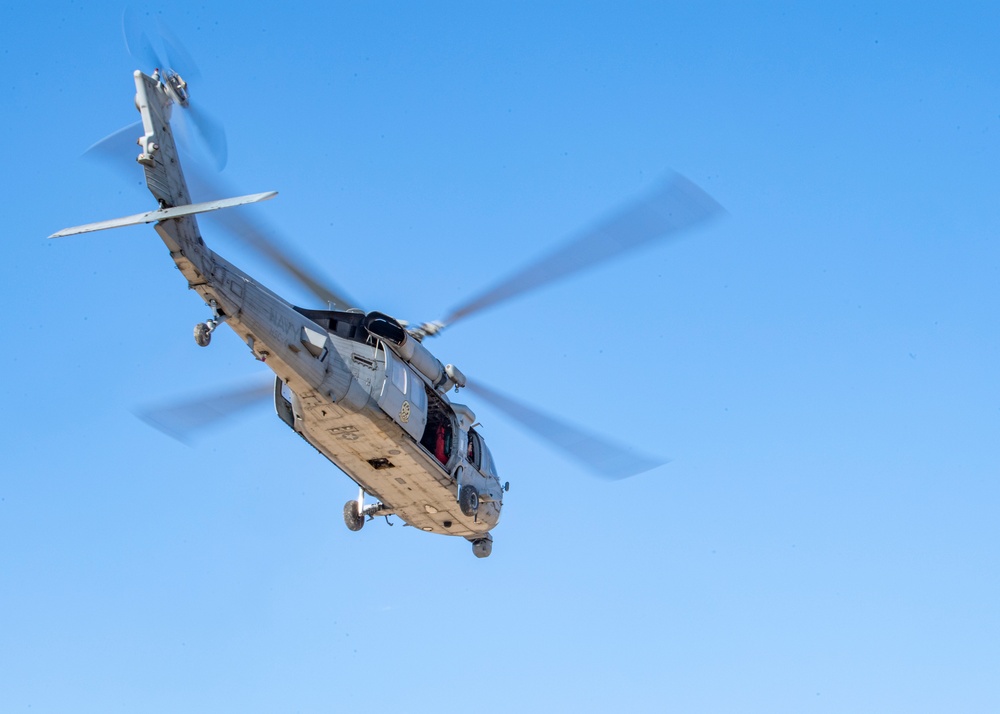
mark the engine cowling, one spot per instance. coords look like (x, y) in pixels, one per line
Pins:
(442, 377)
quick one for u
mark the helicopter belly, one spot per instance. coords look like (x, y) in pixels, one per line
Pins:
(371, 449)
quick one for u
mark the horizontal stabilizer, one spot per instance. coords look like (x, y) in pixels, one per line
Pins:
(166, 213)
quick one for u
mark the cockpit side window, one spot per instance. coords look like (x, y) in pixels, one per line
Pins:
(488, 467)
(475, 450)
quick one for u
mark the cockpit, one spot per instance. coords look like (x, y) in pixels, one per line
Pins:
(478, 454)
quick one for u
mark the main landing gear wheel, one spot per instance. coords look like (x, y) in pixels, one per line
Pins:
(353, 517)
(468, 500)
(202, 334)
(482, 547)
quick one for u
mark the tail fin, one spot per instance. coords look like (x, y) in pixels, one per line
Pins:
(175, 218)
(161, 163)
(159, 157)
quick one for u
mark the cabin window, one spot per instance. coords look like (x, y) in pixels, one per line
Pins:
(419, 398)
(399, 376)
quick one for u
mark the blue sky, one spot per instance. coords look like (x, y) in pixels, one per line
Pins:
(820, 366)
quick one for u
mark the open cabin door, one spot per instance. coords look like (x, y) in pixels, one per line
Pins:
(403, 397)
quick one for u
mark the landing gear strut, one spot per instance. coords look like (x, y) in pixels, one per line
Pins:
(203, 330)
(355, 512)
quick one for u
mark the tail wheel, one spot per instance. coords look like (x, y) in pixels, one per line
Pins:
(468, 500)
(353, 518)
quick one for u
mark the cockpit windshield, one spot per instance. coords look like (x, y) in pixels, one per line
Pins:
(489, 468)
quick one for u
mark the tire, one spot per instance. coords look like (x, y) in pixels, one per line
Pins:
(202, 335)
(468, 500)
(352, 516)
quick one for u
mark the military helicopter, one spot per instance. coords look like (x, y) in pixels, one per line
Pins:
(362, 387)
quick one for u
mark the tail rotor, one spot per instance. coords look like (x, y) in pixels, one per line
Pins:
(158, 50)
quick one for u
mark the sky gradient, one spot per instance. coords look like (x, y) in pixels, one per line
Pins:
(820, 365)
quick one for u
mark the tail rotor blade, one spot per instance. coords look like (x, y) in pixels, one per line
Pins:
(210, 135)
(674, 207)
(595, 453)
(175, 55)
(138, 42)
(160, 47)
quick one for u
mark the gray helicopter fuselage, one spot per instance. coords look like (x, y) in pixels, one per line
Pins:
(355, 396)
(363, 407)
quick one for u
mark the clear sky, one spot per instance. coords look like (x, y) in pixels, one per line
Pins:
(820, 366)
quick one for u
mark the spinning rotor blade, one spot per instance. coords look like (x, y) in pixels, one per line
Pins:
(175, 55)
(117, 145)
(675, 206)
(596, 454)
(187, 419)
(210, 135)
(138, 42)
(262, 237)
(265, 240)
(161, 49)
(150, 41)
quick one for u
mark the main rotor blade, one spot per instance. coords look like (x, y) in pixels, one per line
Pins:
(595, 453)
(189, 418)
(114, 150)
(675, 206)
(117, 146)
(266, 240)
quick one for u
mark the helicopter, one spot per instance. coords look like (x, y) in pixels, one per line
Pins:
(362, 387)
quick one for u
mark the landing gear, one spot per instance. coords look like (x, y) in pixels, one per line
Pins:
(482, 547)
(355, 512)
(353, 517)
(203, 330)
(202, 334)
(468, 502)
